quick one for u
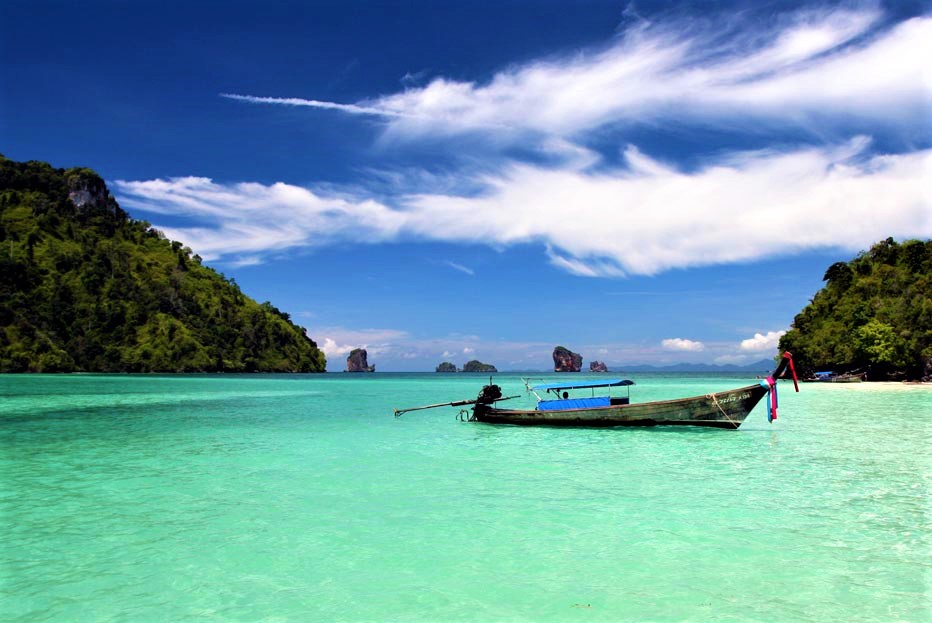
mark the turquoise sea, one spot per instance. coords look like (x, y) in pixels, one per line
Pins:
(301, 498)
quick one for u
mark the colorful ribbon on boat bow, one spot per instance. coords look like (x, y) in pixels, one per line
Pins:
(789, 356)
(771, 386)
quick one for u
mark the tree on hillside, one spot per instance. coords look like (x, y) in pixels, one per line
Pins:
(874, 313)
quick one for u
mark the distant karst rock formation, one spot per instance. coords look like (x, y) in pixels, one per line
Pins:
(446, 366)
(477, 366)
(356, 362)
(565, 360)
(598, 366)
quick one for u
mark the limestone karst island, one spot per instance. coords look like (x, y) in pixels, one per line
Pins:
(358, 361)
(565, 360)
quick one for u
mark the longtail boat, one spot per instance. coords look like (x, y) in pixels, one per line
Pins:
(831, 377)
(726, 409)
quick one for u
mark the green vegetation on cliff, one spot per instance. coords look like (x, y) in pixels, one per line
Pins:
(874, 313)
(83, 287)
(477, 366)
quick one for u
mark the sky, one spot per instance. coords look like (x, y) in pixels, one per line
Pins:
(642, 182)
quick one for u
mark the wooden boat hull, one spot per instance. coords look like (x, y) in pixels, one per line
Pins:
(726, 409)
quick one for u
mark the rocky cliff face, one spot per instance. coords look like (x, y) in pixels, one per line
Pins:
(446, 366)
(598, 366)
(565, 360)
(356, 362)
(88, 192)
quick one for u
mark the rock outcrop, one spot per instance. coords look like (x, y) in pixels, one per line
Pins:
(356, 362)
(446, 366)
(598, 366)
(477, 366)
(565, 360)
(88, 191)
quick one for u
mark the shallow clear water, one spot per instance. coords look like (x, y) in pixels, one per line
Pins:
(300, 498)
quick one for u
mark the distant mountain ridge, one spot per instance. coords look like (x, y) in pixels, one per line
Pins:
(86, 288)
(763, 365)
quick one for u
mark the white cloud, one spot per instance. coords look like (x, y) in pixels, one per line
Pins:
(249, 219)
(468, 350)
(460, 267)
(801, 68)
(762, 342)
(337, 342)
(334, 350)
(297, 101)
(814, 68)
(682, 344)
(580, 268)
(244, 260)
(648, 217)
(641, 218)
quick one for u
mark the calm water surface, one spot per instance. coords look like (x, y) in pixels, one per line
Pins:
(300, 498)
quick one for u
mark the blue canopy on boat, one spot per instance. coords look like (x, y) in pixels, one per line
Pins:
(583, 384)
(574, 403)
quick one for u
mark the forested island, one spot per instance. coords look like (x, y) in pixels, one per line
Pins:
(84, 287)
(874, 315)
(475, 365)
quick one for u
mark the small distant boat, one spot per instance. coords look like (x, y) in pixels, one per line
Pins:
(831, 377)
(727, 409)
(847, 378)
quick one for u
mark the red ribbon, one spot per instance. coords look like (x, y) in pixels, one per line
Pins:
(789, 355)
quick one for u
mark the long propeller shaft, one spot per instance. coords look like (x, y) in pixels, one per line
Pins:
(457, 403)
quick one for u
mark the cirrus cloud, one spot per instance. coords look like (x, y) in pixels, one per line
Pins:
(834, 71)
(640, 218)
(250, 219)
(803, 68)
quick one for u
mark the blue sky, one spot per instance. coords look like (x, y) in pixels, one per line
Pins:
(641, 182)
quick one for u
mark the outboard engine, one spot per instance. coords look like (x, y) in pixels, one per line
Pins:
(489, 394)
